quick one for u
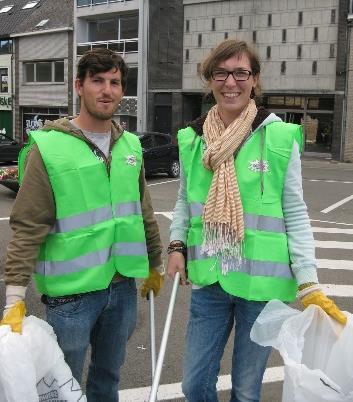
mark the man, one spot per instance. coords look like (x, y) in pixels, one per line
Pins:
(81, 221)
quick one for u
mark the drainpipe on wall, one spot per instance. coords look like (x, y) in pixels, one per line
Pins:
(142, 72)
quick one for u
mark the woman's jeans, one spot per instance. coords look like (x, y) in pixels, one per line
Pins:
(105, 319)
(212, 315)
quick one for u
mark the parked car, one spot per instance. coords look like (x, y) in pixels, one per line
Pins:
(9, 148)
(160, 153)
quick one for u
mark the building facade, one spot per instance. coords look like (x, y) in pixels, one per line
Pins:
(303, 48)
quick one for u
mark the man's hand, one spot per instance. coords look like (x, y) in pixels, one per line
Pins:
(153, 282)
(317, 297)
(176, 263)
(13, 316)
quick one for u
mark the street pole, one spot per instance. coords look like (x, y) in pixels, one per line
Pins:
(142, 72)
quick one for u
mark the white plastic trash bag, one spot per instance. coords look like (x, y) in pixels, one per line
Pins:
(32, 366)
(317, 352)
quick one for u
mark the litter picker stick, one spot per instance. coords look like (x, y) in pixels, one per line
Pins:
(152, 333)
(157, 373)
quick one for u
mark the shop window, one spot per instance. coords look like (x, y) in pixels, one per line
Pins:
(4, 80)
(44, 71)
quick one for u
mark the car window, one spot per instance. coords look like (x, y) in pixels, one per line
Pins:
(146, 142)
(4, 139)
(161, 140)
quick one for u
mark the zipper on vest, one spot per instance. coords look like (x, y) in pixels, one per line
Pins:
(262, 145)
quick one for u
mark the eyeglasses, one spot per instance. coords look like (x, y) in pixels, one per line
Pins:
(238, 75)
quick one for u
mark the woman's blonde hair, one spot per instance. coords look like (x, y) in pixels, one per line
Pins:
(224, 51)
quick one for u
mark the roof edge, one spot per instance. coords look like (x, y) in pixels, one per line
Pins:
(53, 30)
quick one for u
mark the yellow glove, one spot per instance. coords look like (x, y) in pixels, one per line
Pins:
(328, 305)
(154, 281)
(14, 316)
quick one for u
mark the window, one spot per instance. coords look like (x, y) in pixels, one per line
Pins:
(187, 55)
(42, 23)
(5, 9)
(284, 35)
(316, 34)
(332, 50)
(30, 4)
(161, 140)
(240, 24)
(225, 35)
(213, 27)
(268, 52)
(199, 40)
(254, 36)
(314, 68)
(123, 27)
(146, 142)
(300, 18)
(5, 46)
(269, 20)
(333, 16)
(4, 80)
(44, 71)
(283, 68)
(187, 26)
(299, 51)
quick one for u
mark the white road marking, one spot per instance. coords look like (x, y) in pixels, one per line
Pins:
(329, 181)
(335, 264)
(337, 204)
(334, 223)
(173, 391)
(168, 215)
(5, 219)
(162, 182)
(346, 245)
(337, 290)
(331, 230)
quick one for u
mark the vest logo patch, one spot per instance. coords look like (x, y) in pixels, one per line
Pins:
(131, 160)
(259, 166)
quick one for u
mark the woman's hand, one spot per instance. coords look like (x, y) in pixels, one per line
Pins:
(176, 263)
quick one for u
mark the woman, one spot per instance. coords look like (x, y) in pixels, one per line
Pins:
(241, 217)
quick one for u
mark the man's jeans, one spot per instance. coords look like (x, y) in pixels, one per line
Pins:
(105, 319)
(212, 315)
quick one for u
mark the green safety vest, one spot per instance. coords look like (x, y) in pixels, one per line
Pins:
(99, 227)
(261, 166)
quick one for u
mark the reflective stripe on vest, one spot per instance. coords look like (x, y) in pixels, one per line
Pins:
(90, 260)
(251, 221)
(95, 216)
(251, 267)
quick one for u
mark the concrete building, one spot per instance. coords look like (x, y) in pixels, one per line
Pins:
(303, 48)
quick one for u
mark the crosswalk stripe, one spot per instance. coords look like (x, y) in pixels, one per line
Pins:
(332, 230)
(347, 245)
(335, 264)
(173, 391)
(337, 290)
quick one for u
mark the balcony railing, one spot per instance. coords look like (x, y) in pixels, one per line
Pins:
(122, 46)
(86, 3)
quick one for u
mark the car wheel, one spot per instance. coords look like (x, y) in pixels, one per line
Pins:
(174, 169)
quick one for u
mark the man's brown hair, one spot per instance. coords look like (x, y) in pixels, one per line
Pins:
(100, 61)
